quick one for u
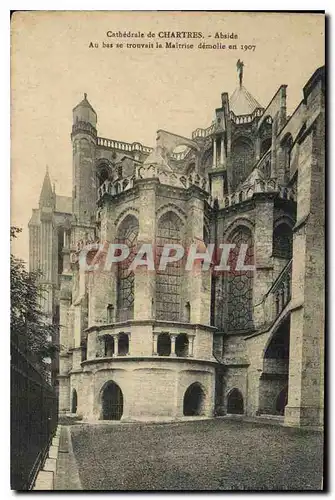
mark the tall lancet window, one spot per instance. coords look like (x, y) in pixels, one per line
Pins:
(168, 281)
(240, 283)
(127, 234)
(243, 157)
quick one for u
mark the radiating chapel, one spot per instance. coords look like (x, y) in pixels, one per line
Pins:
(174, 344)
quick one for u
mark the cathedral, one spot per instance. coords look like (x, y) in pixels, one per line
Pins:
(173, 344)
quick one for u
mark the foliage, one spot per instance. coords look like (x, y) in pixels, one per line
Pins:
(29, 326)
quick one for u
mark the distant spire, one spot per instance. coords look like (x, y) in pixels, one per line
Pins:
(240, 66)
(46, 196)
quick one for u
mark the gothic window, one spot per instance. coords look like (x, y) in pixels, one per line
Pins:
(110, 313)
(127, 235)
(102, 175)
(288, 152)
(282, 241)
(168, 280)
(240, 283)
(119, 171)
(243, 157)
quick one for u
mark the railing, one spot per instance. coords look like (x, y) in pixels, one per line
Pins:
(116, 187)
(259, 186)
(278, 295)
(81, 126)
(246, 118)
(180, 156)
(34, 417)
(123, 146)
(145, 172)
(203, 132)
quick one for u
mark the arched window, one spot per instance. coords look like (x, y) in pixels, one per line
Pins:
(110, 314)
(287, 146)
(102, 174)
(127, 234)
(123, 344)
(182, 345)
(235, 402)
(240, 283)
(74, 403)
(243, 158)
(163, 344)
(168, 280)
(282, 241)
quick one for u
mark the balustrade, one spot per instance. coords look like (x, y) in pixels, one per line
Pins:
(279, 294)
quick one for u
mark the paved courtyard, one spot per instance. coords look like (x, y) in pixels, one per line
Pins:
(197, 455)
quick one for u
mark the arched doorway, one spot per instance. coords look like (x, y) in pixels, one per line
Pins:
(235, 403)
(112, 402)
(194, 400)
(281, 401)
(74, 403)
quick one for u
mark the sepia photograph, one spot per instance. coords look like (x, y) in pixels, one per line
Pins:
(167, 251)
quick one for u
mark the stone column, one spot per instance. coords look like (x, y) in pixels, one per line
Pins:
(91, 345)
(197, 280)
(263, 275)
(173, 345)
(145, 279)
(222, 154)
(116, 344)
(154, 344)
(191, 345)
(214, 152)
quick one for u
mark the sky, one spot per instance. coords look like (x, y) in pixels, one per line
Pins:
(135, 92)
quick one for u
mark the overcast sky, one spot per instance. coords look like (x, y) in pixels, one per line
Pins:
(137, 91)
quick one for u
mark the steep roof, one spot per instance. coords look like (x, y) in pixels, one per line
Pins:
(241, 102)
(84, 104)
(46, 196)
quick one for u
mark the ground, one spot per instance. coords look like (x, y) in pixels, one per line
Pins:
(213, 454)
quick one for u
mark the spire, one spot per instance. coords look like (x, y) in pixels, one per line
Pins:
(46, 196)
(84, 103)
(84, 112)
(240, 66)
(241, 102)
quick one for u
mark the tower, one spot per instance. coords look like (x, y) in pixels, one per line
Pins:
(83, 137)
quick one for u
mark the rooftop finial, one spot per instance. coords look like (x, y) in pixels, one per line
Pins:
(85, 95)
(46, 169)
(239, 66)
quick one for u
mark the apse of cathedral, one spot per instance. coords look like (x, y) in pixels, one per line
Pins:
(170, 343)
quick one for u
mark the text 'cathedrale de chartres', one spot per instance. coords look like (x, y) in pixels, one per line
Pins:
(170, 34)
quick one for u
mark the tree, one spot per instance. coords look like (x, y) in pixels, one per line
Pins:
(29, 327)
